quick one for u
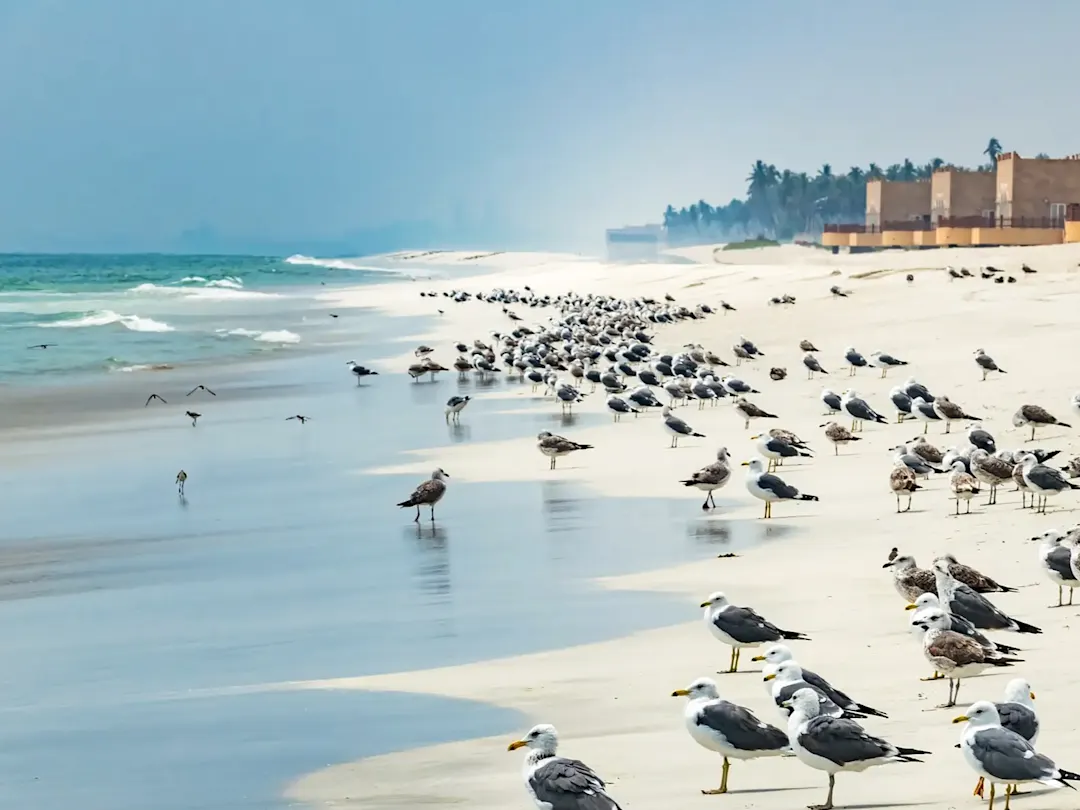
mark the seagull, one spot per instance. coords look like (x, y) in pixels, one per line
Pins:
(1003, 756)
(879, 359)
(902, 482)
(748, 410)
(741, 627)
(1044, 481)
(835, 744)
(559, 782)
(910, 581)
(924, 412)
(926, 451)
(776, 374)
(977, 581)
(200, 388)
(299, 418)
(777, 654)
(915, 389)
(1035, 416)
(812, 364)
(950, 412)
(769, 488)
(901, 401)
(831, 400)
(554, 446)
(914, 462)
(181, 479)
(1017, 713)
(677, 427)
(836, 291)
(838, 435)
(360, 371)
(619, 406)
(859, 411)
(855, 360)
(986, 363)
(423, 350)
(982, 439)
(990, 470)
(785, 679)
(958, 624)
(194, 416)
(954, 655)
(428, 493)
(567, 396)
(1055, 558)
(807, 346)
(776, 450)
(152, 397)
(454, 406)
(730, 730)
(42, 346)
(964, 601)
(711, 478)
(735, 386)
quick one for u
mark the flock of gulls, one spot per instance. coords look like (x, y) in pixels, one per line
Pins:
(593, 342)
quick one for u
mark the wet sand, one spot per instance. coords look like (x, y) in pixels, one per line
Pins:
(611, 699)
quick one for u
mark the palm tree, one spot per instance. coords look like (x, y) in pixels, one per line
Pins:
(993, 150)
(874, 172)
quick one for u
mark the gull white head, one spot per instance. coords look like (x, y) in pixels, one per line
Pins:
(439, 474)
(776, 654)
(722, 454)
(666, 411)
(1018, 419)
(701, 689)
(716, 600)
(850, 393)
(756, 465)
(932, 619)
(849, 350)
(804, 704)
(1019, 691)
(827, 392)
(904, 562)
(941, 565)
(1051, 538)
(541, 739)
(785, 672)
(980, 714)
(926, 601)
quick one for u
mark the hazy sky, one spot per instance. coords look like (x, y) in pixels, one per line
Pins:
(126, 122)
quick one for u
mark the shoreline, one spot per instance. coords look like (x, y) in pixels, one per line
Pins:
(610, 700)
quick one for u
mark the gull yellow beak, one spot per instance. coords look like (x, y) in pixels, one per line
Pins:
(911, 607)
(961, 719)
(516, 744)
(745, 464)
(680, 693)
(770, 676)
(705, 604)
(755, 437)
(1031, 695)
(758, 658)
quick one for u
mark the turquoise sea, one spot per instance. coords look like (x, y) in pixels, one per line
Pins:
(127, 312)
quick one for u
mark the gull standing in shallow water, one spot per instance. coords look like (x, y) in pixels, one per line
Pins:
(711, 478)
(677, 427)
(554, 446)
(769, 488)
(559, 782)
(730, 730)
(428, 493)
(835, 744)
(741, 627)
(1002, 756)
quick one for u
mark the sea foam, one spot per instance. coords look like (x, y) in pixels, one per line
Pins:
(271, 336)
(105, 317)
(343, 264)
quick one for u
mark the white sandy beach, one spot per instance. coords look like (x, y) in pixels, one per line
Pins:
(611, 701)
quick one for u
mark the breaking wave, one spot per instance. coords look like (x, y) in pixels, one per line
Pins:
(105, 317)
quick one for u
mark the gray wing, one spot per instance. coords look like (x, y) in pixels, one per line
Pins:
(986, 362)
(1008, 757)
(958, 624)
(902, 402)
(927, 410)
(1058, 562)
(427, 492)
(842, 741)
(741, 728)
(745, 626)
(859, 409)
(1019, 718)
(978, 610)
(569, 784)
(777, 486)
(855, 358)
(916, 463)
(678, 425)
(1046, 477)
(830, 691)
(781, 448)
(825, 704)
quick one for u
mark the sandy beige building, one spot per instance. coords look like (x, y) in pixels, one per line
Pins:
(962, 194)
(896, 201)
(1036, 188)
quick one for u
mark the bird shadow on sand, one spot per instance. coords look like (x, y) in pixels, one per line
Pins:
(460, 433)
(888, 804)
(752, 791)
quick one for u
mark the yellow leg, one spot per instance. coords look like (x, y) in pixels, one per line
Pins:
(990, 806)
(731, 661)
(738, 653)
(1008, 795)
(937, 676)
(723, 781)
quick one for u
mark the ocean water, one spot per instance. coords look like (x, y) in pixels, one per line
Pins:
(147, 639)
(128, 312)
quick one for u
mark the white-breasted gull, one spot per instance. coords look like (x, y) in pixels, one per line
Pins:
(779, 653)
(741, 627)
(767, 487)
(559, 783)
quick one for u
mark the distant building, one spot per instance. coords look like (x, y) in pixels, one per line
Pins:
(635, 243)
(1024, 201)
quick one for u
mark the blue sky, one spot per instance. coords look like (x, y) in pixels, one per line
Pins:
(127, 122)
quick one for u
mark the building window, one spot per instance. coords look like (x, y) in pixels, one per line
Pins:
(1057, 212)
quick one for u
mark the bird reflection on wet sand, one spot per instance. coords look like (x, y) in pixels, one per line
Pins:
(433, 560)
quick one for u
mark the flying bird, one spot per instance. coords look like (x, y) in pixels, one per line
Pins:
(152, 397)
(42, 346)
(200, 388)
(302, 419)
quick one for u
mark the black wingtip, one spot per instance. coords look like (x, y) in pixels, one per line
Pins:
(1064, 424)
(870, 710)
(908, 752)
(699, 435)
(809, 498)
(1068, 775)
(792, 635)
(1024, 627)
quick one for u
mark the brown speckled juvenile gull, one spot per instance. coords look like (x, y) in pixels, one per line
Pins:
(910, 581)
(1036, 416)
(428, 493)
(902, 482)
(839, 435)
(711, 478)
(554, 446)
(950, 412)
